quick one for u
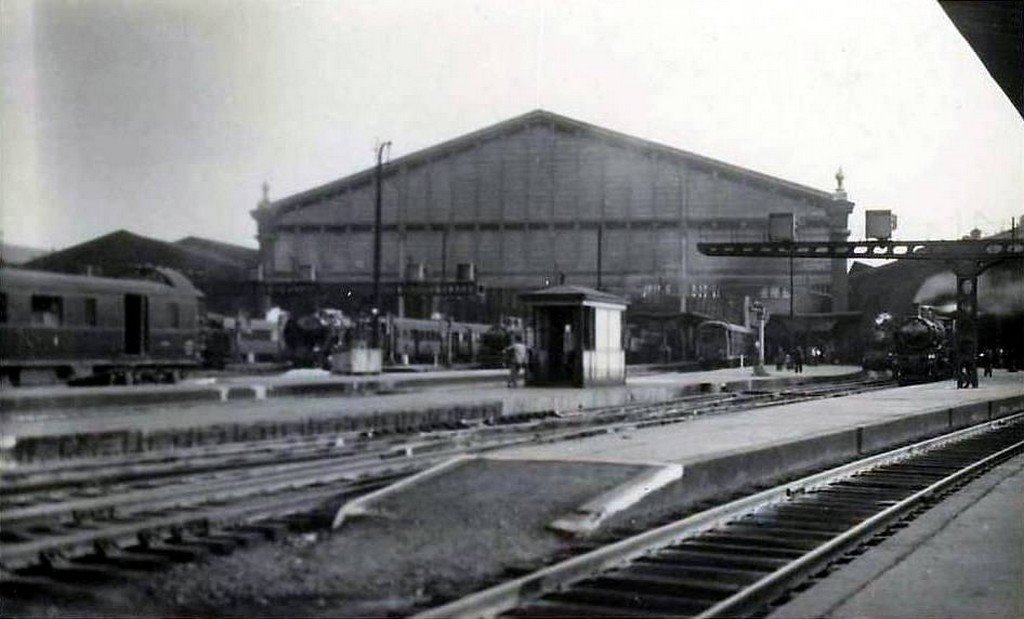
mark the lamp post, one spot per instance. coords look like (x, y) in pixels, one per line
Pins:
(792, 297)
(762, 316)
(377, 245)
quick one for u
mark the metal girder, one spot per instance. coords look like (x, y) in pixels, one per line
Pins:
(437, 288)
(967, 258)
(989, 249)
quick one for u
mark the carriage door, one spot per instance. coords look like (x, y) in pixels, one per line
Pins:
(136, 324)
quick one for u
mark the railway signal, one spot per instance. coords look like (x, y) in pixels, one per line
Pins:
(761, 314)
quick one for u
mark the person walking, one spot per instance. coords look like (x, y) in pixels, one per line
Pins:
(515, 355)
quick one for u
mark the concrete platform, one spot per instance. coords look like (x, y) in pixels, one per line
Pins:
(723, 454)
(729, 453)
(222, 389)
(466, 388)
(873, 420)
(962, 559)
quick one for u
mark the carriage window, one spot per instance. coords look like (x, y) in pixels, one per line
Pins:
(90, 312)
(47, 311)
(174, 315)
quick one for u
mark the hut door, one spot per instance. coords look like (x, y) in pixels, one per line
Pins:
(136, 324)
(562, 345)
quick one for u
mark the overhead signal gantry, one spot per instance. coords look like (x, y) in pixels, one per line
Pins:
(967, 258)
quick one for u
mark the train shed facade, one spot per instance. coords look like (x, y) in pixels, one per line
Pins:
(541, 199)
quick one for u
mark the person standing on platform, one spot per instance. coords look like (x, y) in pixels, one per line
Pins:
(515, 354)
(986, 361)
(798, 360)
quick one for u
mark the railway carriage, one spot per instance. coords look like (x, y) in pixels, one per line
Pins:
(55, 326)
(424, 341)
(722, 344)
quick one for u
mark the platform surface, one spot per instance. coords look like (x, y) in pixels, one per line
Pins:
(426, 394)
(716, 435)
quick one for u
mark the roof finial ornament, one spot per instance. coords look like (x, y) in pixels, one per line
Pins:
(839, 193)
(265, 200)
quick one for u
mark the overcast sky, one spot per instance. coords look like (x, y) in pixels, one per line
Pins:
(164, 117)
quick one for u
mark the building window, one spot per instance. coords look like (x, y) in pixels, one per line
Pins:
(47, 311)
(173, 315)
(89, 311)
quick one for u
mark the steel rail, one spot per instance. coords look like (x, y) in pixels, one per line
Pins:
(20, 492)
(185, 499)
(778, 582)
(238, 484)
(506, 596)
(119, 533)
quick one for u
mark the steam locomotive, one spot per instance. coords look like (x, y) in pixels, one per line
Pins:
(922, 349)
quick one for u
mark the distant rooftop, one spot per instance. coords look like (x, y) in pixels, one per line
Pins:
(12, 255)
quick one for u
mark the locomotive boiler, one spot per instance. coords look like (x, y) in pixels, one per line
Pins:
(923, 349)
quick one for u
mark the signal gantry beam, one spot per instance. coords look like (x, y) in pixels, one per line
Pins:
(989, 249)
(967, 258)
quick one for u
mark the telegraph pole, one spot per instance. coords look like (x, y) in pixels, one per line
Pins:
(377, 246)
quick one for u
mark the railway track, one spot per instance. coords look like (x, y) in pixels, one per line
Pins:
(55, 512)
(735, 559)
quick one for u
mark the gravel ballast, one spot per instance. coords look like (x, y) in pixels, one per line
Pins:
(445, 536)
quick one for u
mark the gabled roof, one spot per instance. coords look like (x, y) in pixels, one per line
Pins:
(536, 117)
(119, 251)
(567, 293)
(11, 254)
(243, 256)
(157, 281)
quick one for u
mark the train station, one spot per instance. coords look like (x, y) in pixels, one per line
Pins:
(626, 313)
(608, 434)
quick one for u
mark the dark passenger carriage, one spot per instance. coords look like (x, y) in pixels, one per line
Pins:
(54, 325)
(722, 344)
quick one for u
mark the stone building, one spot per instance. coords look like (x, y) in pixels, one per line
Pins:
(542, 198)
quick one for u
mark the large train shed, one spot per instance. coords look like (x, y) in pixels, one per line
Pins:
(540, 199)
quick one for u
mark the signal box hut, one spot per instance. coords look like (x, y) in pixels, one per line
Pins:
(576, 337)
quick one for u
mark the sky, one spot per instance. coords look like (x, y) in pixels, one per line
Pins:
(164, 117)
